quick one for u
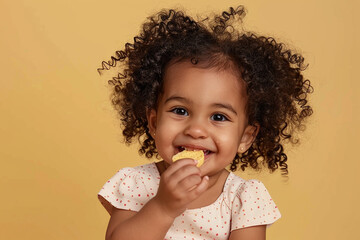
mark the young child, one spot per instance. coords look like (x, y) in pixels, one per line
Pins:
(202, 86)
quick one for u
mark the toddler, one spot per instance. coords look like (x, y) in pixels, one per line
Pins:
(202, 85)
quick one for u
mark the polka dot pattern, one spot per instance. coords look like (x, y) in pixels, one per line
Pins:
(241, 204)
(253, 205)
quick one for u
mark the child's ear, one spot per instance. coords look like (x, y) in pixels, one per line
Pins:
(151, 118)
(248, 137)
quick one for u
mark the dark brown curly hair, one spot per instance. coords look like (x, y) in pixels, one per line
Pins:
(277, 91)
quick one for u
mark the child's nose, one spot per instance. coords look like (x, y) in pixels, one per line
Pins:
(196, 129)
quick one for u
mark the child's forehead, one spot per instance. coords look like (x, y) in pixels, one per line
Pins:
(185, 76)
(212, 61)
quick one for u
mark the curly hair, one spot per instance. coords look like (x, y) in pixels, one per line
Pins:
(277, 91)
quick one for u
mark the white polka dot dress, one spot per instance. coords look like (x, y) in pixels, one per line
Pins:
(241, 204)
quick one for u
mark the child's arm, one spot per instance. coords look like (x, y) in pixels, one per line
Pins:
(155, 218)
(249, 233)
(126, 224)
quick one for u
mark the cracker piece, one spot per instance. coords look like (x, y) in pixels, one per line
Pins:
(196, 155)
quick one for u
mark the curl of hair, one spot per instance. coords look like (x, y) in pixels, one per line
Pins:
(277, 91)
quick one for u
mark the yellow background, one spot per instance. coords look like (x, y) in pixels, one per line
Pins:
(60, 140)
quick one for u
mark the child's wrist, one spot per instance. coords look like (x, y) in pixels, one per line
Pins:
(165, 213)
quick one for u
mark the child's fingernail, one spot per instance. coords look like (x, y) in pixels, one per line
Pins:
(206, 178)
(195, 161)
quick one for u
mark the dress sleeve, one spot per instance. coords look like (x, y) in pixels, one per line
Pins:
(253, 206)
(125, 190)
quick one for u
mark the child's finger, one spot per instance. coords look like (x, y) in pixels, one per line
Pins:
(189, 183)
(174, 180)
(178, 165)
(196, 192)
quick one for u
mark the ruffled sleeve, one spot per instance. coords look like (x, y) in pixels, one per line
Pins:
(129, 188)
(253, 206)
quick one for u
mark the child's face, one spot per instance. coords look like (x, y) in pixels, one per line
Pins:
(201, 109)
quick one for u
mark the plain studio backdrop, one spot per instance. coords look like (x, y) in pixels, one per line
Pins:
(60, 139)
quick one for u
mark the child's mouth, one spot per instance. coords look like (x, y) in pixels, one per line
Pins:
(206, 152)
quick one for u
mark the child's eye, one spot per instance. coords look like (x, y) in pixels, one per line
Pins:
(219, 117)
(180, 111)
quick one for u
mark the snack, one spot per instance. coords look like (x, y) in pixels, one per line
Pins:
(196, 155)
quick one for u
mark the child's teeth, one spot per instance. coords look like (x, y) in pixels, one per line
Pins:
(187, 149)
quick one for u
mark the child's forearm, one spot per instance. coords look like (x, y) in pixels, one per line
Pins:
(142, 224)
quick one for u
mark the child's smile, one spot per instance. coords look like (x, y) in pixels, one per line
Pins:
(201, 109)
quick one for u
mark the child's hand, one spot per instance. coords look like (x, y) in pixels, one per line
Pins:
(180, 184)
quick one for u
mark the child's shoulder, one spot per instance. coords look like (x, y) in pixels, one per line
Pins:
(146, 168)
(130, 188)
(235, 180)
(250, 202)
(146, 174)
(236, 186)
(149, 168)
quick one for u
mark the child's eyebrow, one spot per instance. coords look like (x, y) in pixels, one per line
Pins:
(216, 105)
(177, 98)
(226, 106)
